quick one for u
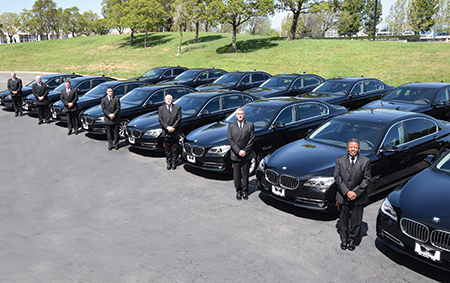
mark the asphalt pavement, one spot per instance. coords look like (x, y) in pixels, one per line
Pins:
(72, 211)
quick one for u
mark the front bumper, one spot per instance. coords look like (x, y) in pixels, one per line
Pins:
(136, 139)
(88, 124)
(215, 164)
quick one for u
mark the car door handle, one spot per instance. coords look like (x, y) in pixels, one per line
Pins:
(406, 148)
(267, 147)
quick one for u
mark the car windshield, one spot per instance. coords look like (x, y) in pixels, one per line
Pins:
(260, 116)
(337, 132)
(411, 95)
(228, 79)
(334, 87)
(154, 73)
(33, 82)
(97, 92)
(135, 97)
(280, 83)
(188, 75)
(443, 165)
(60, 87)
(190, 105)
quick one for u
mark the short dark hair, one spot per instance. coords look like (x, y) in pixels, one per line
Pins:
(109, 88)
(353, 140)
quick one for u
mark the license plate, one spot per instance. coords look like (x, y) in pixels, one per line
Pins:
(190, 158)
(427, 252)
(54, 115)
(131, 140)
(85, 126)
(278, 191)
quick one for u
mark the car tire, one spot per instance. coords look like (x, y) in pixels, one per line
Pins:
(122, 128)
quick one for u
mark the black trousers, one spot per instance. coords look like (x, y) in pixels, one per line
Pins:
(17, 104)
(43, 113)
(112, 132)
(240, 175)
(171, 149)
(353, 214)
(72, 120)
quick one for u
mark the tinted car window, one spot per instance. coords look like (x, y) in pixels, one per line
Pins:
(416, 128)
(84, 86)
(133, 86)
(443, 166)
(411, 95)
(203, 76)
(257, 77)
(334, 87)
(119, 91)
(189, 105)
(247, 99)
(298, 83)
(158, 96)
(232, 101)
(358, 88)
(395, 136)
(167, 73)
(246, 79)
(287, 115)
(177, 71)
(308, 110)
(277, 83)
(432, 126)
(135, 97)
(259, 116)
(372, 86)
(215, 74)
(176, 92)
(312, 81)
(97, 82)
(54, 82)
(443, 95)
(214, 105)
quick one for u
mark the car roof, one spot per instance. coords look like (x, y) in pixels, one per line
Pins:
(79, 79)
(430, 85)
(216, 92)
(294, 75)
(351, 79)
(59, 75)
(204, 69)
(247, 72)
(282, 101)
(162, 86)
(380, 117)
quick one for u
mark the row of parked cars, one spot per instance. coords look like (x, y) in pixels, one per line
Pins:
(302, 123)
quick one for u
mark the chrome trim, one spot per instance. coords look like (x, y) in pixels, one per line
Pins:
(289, 182)
(414, 230)
(272, 177)
(440, 239)
(392, 238)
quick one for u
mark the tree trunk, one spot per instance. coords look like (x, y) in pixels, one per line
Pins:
(181, 40)
(206, 26)
(233, 45)
(132, 37)
(197, 26)
(145, 40)
(294, 25)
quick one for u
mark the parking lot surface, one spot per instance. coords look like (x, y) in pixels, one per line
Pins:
(72, 211)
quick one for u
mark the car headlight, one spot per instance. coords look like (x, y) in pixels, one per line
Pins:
(388, 209)
(100, 119)
(8, 96)
(219, 150)
(262, 164)
(153, 133)
(321, 184)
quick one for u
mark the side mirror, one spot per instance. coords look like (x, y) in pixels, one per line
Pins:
(430, 159)
(148, 103)
(278, 125)
(242, 84)
(78, 90)
(388, 148)
(204, 113)
(439, 103)
(294, 88)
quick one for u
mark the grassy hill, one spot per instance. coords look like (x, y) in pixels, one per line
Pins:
(393, 62)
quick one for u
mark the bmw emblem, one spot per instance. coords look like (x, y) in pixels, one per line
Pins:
(436, 219)
(284, 168)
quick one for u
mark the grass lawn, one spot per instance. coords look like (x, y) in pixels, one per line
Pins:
(392, 62)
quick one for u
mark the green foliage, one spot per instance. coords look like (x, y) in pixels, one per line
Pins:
(398, 17)
(350, 18)
(296, 7)
(369, 16)
(45, 15)
(421, 14)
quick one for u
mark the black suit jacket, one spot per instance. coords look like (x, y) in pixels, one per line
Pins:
(72, 97)
(15, 85)
(111, 107)
(40, 91)
(241, 140)
(356, 179)
(167, 118)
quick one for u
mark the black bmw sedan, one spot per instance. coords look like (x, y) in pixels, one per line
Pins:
(415, 220)
(286, 85)
(197, 109)
(350, 92)
(139, 101)
(237, 80)
(429, 98)
(159, 74)
(196, 77)
(94, 97)
(277, 121)
(397, 143)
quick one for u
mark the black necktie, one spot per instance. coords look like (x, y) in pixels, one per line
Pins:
(352, 162)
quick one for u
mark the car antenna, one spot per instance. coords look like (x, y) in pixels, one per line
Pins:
(371, 111)
(398, 108)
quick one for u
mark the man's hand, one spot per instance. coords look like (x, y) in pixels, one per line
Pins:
(242, 153)
(170, 129)
(41, 98)
(70, 104)
(351, 195)
(111, 116)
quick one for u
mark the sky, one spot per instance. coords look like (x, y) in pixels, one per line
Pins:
(96, 7)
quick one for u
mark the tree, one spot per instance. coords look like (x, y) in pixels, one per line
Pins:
(327, 15)
(28, 22)
(45, 15)
(86, 22)
(369, 16)
(150, 15)
(421, 14)
(442, 19)
(70, 21)
(398, 17)
(182, 16)
(259, 26)
(9, 22)
(296, 7)
(113, 13)
(100, 26)
(238, 12)
(350, 17)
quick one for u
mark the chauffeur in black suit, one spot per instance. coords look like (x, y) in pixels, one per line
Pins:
(169, 116)
(40, 91)
(15, 89)
(241, 135)
(111, 107)
(352, 174)
(69, 97)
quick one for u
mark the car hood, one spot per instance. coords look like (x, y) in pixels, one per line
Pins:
(305, 158)
(393, 105)
(94, 112)
(426, 196)
(259, 91)
(148, 121)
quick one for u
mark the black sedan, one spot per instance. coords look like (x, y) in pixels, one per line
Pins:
(415, 219)
(197, 109)
(137, 102)
(52, 82)
(159, 74)
(397, 143)
(350, 92)
(237, 80)
(94, 97)
(195, 77)
(81, 84)
(277, 121)
(287, 85)
(429, 98)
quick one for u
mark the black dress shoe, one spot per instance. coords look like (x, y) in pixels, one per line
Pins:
(245, 195)
(110, 147)
(76, 132)
(238, 195)
(21, 114)
(116, 147)
(40, 122)
(47, 122)
(174, 166)
(69, 133)
(169, 166)
(351, 246)
(344, 245)
(16, 114)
